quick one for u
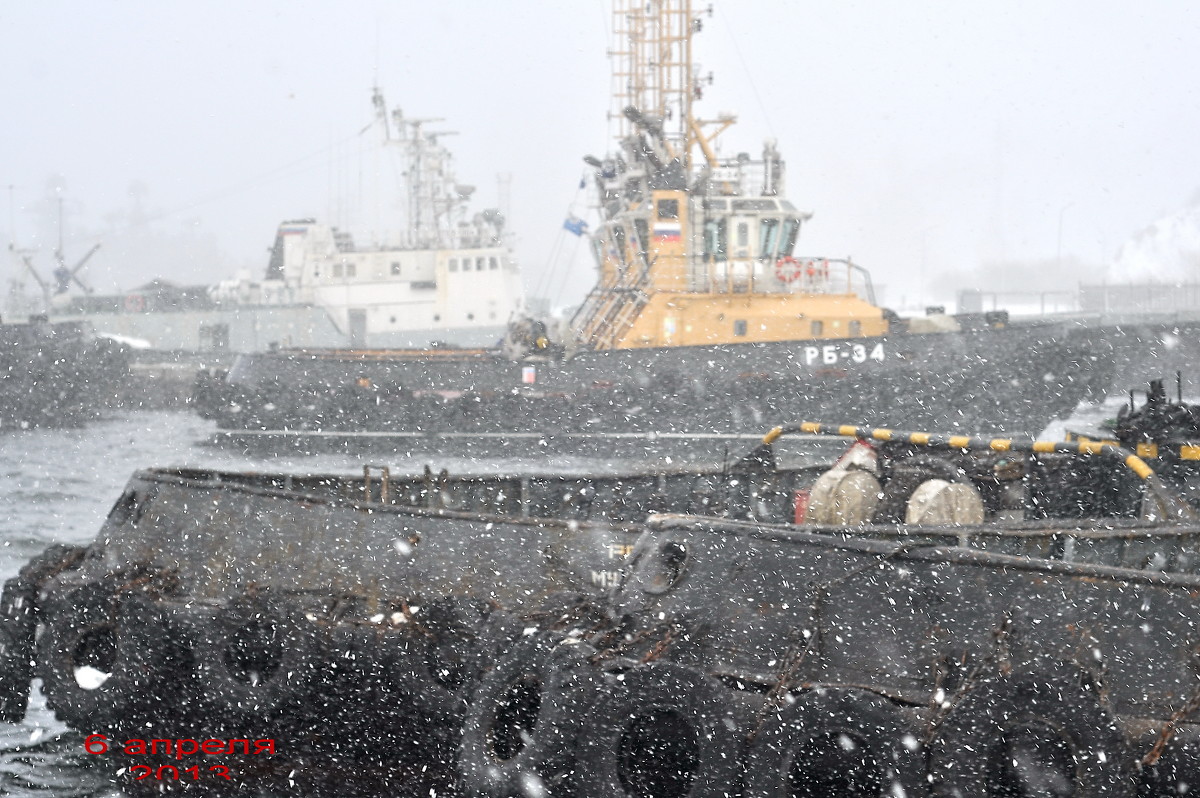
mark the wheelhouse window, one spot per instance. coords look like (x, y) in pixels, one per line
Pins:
(454, 264)
(716, 243)
(395, 269)
(791, 227)
(768, 238)
(818, 329)
(739, 327)
(493, 264)
(668, 209)
(743, 234)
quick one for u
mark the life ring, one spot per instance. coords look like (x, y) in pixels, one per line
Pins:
(788, 269)
(835, 741)
(526, 715)
(135, 303)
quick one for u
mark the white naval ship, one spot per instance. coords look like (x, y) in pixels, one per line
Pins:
(447, 277)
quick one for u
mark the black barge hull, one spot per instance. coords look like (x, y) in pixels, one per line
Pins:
(1017, 378)
(497, 636)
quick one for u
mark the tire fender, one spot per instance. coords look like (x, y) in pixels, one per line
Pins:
(1044, 731)
(663, 729)
(836, 741)
(524, 718)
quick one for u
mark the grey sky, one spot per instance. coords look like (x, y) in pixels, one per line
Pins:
(933, 140)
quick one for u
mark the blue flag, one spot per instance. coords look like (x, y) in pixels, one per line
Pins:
(575, 225)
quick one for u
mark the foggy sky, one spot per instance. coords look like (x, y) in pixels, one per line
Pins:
(939, 144)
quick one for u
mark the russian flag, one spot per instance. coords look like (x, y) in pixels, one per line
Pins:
(668, 231)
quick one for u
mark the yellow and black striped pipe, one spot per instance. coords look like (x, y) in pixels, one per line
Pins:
(1161, 502)
(1102, 448)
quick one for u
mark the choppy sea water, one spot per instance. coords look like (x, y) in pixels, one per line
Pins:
(56, 486)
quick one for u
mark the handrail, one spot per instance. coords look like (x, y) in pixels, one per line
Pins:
(1170, 507)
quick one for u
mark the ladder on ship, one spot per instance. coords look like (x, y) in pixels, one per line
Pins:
(611, 308)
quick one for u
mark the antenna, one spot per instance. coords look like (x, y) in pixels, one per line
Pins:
(64, 276)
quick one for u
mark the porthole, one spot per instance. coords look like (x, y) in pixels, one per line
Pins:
(666, 567)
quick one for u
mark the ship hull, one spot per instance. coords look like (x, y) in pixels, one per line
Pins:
(55, 375)
(1015, 379)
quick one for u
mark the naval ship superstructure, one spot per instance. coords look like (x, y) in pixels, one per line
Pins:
(445, 277)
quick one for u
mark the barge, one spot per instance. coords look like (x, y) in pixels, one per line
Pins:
(976, 617)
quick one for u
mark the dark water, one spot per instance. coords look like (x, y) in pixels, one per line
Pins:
(57, 487)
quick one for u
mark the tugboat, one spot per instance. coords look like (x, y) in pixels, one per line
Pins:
(704, 319)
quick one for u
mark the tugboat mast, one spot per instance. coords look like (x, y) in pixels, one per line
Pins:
(652, 70)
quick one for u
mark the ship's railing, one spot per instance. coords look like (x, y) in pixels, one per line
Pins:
(1162, 503)
(789, 275)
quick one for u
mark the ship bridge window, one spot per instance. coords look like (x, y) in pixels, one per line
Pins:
(493, 264)
(818, 329)
(716, 243)
(479, 264)
(351, 270)
(768, 237)
(454, 264)
(788, 236)
(337, 270)
(668, 209)
(743, 234)
(395, 268)
(739, 327)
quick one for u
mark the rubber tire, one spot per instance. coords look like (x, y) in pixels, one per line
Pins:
(560, 682)
(969, 744)
(18, 632)
(676, 699)
(18, 625)
(296, 661)
(94, 614)
(887, 743)
(431, 665)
